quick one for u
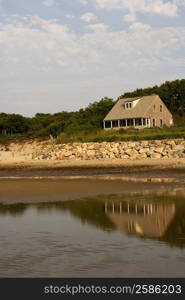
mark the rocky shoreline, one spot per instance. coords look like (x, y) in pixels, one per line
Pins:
(48, 150)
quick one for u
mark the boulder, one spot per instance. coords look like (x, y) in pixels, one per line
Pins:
(159, 150)
(155, 155)
(178, 147)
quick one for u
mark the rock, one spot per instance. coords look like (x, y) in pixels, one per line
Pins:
(90, 147)
(144, 143)
(46, 150)
(144, 150)
(178, 147)
(131, 144)
(131, 152)
(125, 157)
(170, 142)
(155, 155)
(143, 155)
(158, 143)
(67, 154)
(91, 153)
(159, 150)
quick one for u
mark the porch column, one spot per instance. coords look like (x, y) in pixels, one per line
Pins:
(120, 207)
(111, 124)
(149, 125)
(118, 123)
(113, 208)
(134, 122)
(103, 124)
(125, 123)
(142, 122)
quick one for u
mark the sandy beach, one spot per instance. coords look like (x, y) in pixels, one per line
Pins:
(14, 163)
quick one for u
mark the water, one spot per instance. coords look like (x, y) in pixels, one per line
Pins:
(110, 235)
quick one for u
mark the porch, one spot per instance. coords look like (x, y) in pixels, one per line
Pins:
(127, 123)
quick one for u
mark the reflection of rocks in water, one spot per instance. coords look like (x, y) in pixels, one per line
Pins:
(143, 219)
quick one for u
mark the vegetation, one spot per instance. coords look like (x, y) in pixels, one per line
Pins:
(86, 124)
(172, 93)
(125, 135)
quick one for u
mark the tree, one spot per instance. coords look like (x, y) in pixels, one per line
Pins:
(171, 92)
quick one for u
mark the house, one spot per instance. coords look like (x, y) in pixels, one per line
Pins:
(140, 218)
(138, 112)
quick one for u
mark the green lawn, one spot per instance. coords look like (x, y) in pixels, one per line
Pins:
(125, 135)
(108, 136)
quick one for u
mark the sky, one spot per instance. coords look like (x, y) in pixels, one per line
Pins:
(58, 55)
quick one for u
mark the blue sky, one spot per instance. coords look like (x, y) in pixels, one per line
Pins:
(63, 54)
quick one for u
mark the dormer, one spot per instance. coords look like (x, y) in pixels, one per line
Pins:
(127, 105)
(130, 104)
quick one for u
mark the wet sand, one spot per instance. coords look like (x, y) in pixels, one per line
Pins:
(33, 181)
(102, 163)
(62, 189)
(31, 168)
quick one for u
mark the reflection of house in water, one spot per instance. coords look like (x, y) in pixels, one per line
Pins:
(144, 219)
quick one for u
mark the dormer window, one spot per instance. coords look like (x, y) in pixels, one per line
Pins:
(128, 105)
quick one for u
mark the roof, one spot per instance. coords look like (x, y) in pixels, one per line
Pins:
(132, 99)
(138, 111)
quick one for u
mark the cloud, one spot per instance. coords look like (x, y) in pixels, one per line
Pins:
(179, 2)
(49, 3)
(98, 27)
(161, 7)
(129, 17)
(84, 2)
(69, 16)
(44, 61)
(88, 17)
(140, 27)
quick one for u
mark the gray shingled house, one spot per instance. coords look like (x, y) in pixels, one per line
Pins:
(139, 112)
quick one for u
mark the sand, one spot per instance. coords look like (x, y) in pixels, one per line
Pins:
(14, 163)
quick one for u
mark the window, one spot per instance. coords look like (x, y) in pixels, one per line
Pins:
(161, 123)
(107, 124)
(137, 122)
(130, 122)
(114, 123)
(161, 108)
(147, 122)
(127, 105)
(153, 122)
(154, 108)
(122, 123)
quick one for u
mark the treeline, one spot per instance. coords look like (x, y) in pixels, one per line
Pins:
(86, 120)
(171, 92)
(89, 119)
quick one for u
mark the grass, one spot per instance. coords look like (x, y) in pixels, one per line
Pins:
(105, 136)
(124, 135)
